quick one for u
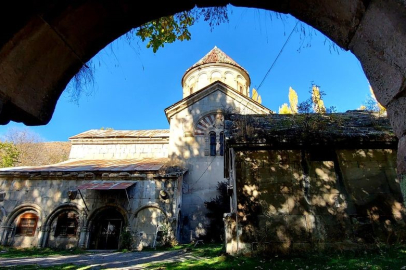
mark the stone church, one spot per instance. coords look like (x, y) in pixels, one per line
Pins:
(148, 182)
(154, 183)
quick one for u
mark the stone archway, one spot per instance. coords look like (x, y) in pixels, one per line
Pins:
(105, 227)
(44, 45)
(10, 234)
(149, 221)
(53, 236)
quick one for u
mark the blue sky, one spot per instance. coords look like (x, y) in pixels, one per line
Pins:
(133, 85)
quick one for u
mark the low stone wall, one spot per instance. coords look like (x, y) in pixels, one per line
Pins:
(295, 200)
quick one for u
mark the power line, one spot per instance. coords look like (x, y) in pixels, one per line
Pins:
(280, 52)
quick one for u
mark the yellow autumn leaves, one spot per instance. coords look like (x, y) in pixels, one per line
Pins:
(293, 100)
(316, 103)
(292, 108)
(372, 104)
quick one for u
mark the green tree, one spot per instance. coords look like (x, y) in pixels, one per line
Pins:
(8, 154)
(176, 27)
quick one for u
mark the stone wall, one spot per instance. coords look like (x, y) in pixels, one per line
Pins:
(118, 151)
(295, 200)
(149, 205)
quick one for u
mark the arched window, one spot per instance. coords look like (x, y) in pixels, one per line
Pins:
(221, 143)
(67, 224)
(27, 224)
(212, 143)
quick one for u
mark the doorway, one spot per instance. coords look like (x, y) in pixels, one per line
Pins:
(105, 233)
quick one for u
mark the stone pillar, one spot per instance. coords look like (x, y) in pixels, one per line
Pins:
(230, 233)
(40, 236)
(5, 231)
(84, 235)
(43, 236)
(84, 230)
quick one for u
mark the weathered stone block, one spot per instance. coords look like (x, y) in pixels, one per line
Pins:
(397, 115)
(379, 44)
(298, 229)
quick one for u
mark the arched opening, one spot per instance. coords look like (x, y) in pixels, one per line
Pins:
(21, 226)
(67, 224)
(353, 26)
(105, 229)
(62, 228)
(151, 224)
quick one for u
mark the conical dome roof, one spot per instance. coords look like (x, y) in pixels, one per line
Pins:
(215, 66)
(216, 56)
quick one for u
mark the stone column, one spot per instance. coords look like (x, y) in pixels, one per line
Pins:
(84, 234)
(230, 233)
(40, 236)
(84, 230)
(43, 236)
(5, 232)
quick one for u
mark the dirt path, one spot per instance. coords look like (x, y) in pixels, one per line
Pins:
(104, 260)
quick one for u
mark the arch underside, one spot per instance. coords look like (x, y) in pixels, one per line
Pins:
(44, 45)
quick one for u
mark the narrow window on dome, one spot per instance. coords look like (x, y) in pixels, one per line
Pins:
(212, 143)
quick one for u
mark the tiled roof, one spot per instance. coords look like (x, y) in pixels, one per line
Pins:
(98, 133)
(119, 165)
(216, 56)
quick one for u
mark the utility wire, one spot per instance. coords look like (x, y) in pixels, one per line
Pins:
(280, 52)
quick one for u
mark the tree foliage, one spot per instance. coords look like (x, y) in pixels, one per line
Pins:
(33, 151)
(285, 109)
(166, 30)
(318, 103)
(314, 104)
(9, 154)
(176, 27)
(372, 104)
(293, 100)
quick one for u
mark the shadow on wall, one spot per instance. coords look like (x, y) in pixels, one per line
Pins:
(294, 200)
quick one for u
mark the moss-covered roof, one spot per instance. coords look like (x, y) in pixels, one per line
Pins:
(349, 128)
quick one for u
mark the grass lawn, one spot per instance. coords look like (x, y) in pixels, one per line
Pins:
(212, 257)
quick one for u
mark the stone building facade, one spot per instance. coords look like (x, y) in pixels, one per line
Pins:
(113, 181)
(311, 182)
(143, 181)
(155, 183)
